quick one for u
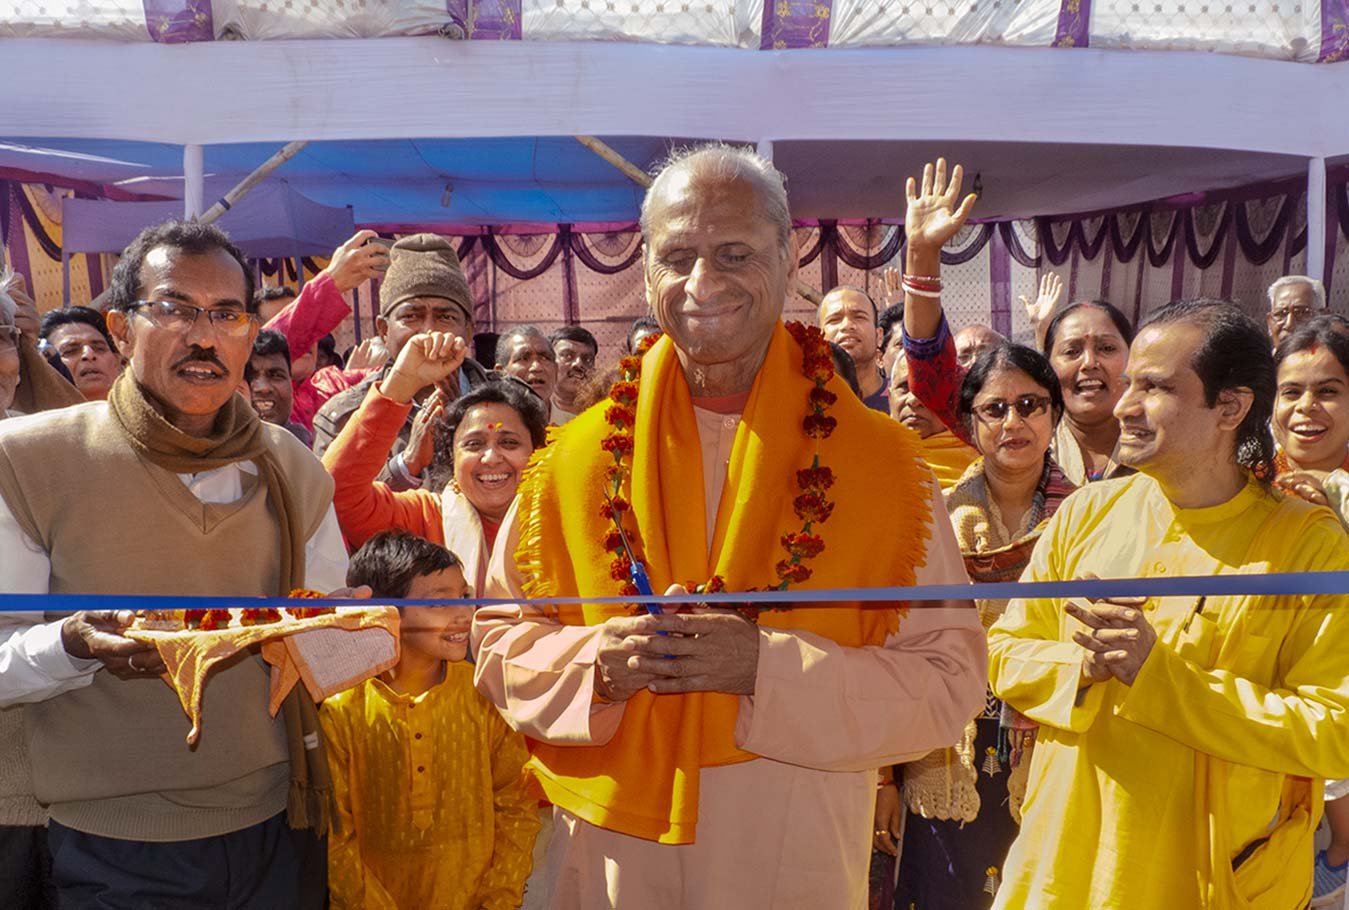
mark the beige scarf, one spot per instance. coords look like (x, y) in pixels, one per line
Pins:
(41, 387)
(237, 436)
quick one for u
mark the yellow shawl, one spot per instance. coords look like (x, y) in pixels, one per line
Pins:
(948, 458)
(644, 782)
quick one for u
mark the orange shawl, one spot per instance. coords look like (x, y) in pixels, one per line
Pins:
(644, 782)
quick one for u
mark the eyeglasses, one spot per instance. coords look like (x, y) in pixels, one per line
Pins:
(179, 317)
(1027, 406)
(1297, 313)
(9, 338)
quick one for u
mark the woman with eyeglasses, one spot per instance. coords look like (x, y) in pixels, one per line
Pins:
(964, 802)
(477, 445)
(1087, 344)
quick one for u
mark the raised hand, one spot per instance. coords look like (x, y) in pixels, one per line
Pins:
(357, 261)
(26, 317)
(426, 360)
(369, 354)
(933, 215)
(421, 447)
(889, 286)
(1042, 308)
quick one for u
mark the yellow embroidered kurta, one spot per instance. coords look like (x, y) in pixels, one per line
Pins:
(1143, 796)
(431, 808)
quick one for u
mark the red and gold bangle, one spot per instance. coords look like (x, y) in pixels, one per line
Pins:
(923, 283)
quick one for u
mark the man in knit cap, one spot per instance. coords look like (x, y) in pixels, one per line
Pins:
(424, 291)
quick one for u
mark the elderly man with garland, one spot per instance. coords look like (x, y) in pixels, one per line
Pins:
(713, 757)
(227, 505)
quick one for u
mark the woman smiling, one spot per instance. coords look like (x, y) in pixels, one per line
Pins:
(958, 830)
(478, 445)
(1311, 412)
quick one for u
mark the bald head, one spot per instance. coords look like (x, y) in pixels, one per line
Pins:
(847, 317)
(715, 164)
(719, 262)
(972, 341)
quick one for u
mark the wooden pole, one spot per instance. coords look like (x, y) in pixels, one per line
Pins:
(261, 173)
(644, 180)
(632, 171)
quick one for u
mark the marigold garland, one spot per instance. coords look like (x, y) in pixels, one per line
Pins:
(812, 506)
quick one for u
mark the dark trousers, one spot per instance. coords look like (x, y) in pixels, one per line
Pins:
(259, 868)
(25, 869)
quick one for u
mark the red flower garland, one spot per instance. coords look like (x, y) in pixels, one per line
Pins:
(812, 506)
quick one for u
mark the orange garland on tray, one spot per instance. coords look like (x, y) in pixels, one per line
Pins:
(811, 505)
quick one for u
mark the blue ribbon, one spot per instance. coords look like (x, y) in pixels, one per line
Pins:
(1271, 585)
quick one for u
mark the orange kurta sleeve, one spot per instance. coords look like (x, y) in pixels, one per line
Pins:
(364, 505)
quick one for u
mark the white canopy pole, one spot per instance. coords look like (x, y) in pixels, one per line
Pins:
(194, 181)
(1316, 218)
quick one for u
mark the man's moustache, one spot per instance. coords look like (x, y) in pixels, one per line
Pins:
(201, 356)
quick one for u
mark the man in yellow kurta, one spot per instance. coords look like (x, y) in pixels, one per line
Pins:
(1183, 740)
(739, 771)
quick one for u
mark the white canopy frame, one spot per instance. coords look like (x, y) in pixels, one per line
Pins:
(278, 91)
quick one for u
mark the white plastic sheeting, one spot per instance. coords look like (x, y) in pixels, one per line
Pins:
(724, 23)
(861, 23)
(108, 20)
(257, 20)
(1278, 29)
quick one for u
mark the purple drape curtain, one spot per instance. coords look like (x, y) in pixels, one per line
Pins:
(1167, 233)
(34, 223)
(857, 259)
(595, 264)
(1014, 247)
(503, 262)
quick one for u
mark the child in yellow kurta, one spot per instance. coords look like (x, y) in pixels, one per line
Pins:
(1147, 795)
(431, 808)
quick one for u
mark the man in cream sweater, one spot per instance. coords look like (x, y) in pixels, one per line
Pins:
(172, 486)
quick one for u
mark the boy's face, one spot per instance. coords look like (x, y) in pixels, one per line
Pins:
(439, 632)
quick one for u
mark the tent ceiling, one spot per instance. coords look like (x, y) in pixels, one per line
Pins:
(277, 91)
(1050, 132)
(551, 180)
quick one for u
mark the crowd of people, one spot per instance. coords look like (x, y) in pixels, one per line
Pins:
(1121, 752)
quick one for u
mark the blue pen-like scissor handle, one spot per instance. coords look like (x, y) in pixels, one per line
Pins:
(637, 574)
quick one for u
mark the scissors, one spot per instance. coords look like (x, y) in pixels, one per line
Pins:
(636, 570)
